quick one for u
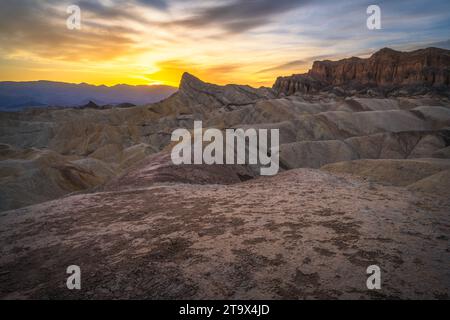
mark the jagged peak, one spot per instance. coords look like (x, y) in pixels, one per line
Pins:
(90, 104)
(188, 77)
(189, 80)
(386, 49)
(384, 52)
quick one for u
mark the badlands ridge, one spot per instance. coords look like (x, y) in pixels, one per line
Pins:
(365, 179)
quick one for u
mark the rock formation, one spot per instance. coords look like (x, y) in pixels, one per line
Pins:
(386, 68)
(363, 180)
(47, 153)
(302, 234)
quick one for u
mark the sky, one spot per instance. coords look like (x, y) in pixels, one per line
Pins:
(220, 41)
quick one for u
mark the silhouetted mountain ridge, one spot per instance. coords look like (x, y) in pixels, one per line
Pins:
(18, 95)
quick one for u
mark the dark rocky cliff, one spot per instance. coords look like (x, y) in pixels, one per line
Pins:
(386, 68)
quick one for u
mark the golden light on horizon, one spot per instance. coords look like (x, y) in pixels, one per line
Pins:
(127, 50)
(154, 43)
(159, 73)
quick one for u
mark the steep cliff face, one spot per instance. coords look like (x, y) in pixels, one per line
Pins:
(426, 67)
(388, 67)
(297, 83)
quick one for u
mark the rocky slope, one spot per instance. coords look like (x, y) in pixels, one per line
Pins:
(301, 234)
(49, 153)
(364, 180)
(386, 68)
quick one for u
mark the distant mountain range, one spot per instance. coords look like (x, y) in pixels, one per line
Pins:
(15, 96)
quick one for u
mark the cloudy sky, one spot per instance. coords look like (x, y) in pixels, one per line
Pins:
(221, 41)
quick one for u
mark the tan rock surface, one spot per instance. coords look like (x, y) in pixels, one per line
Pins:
(398, 172)
(314, 130)
(301, 234)
(140, 227)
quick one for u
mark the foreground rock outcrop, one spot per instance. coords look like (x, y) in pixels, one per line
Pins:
(304, 233)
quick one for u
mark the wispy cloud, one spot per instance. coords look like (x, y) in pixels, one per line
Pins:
(285, 66)
(245, 41)
(238, 16)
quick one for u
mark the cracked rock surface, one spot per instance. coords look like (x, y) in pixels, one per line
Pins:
(304, 233)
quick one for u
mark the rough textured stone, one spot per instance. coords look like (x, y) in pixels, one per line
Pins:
(141, 227)
(386, 68)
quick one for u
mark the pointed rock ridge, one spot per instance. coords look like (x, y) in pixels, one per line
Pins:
(197, 92)
(386, 51)
(386, 68)
(188, 81)
(91, 104)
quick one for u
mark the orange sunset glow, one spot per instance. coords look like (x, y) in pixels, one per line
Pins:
(154, 42)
